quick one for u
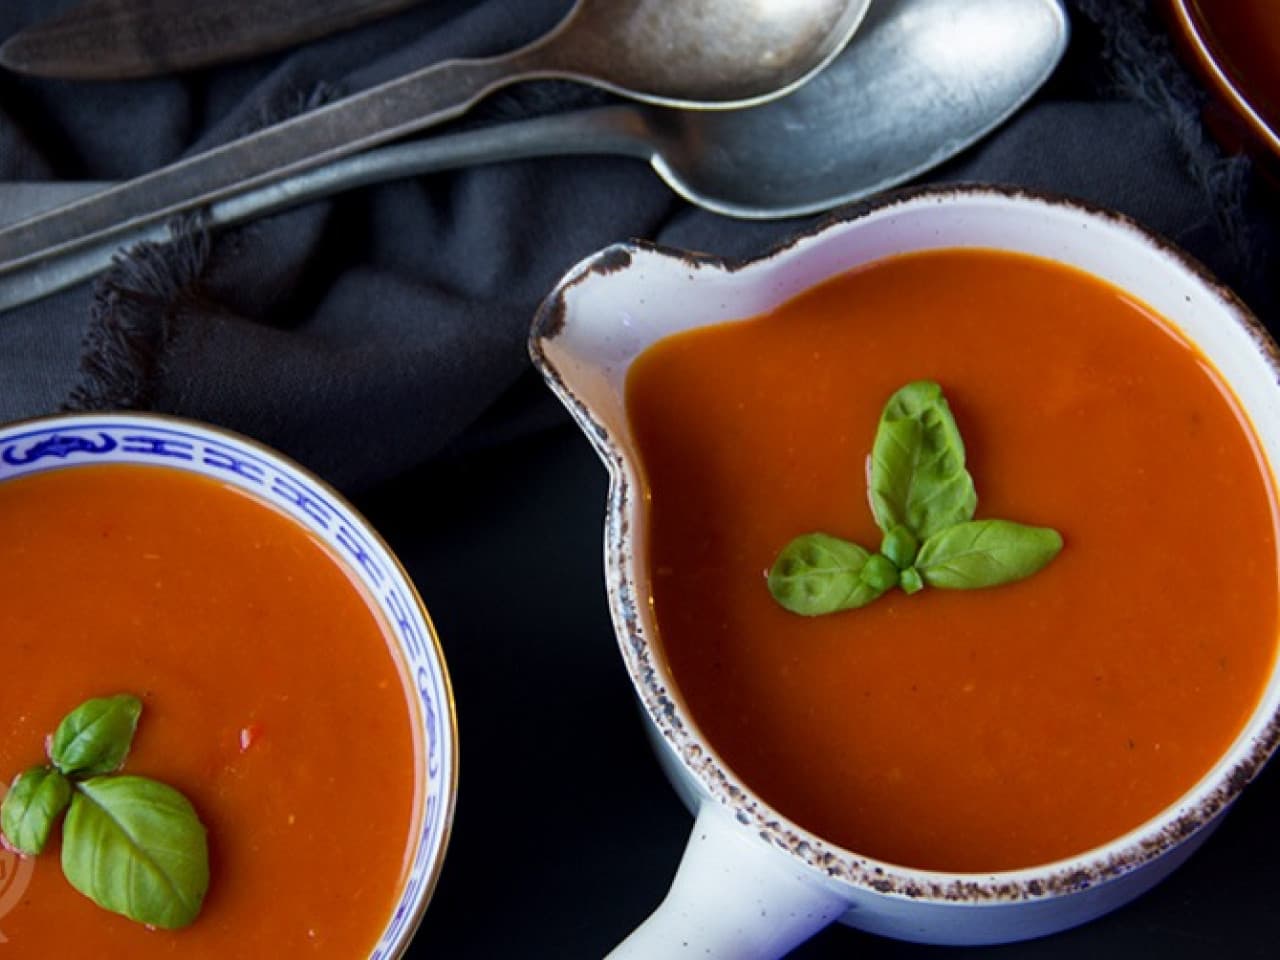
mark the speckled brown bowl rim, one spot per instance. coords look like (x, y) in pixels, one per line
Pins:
(1134, 849)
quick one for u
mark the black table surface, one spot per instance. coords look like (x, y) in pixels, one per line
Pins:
(567, 833)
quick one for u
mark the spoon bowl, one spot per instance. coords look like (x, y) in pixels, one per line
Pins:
(904, 97)
(712, 54)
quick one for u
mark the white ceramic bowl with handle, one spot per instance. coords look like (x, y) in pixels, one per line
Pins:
(753, 884)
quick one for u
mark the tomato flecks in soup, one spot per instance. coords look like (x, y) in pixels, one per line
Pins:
(962, 730)
(272, 700)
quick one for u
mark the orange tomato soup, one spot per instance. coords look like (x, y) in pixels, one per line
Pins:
(272, 700)
(963, 730)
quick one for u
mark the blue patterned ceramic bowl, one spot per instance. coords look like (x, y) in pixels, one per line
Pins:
(65, 442)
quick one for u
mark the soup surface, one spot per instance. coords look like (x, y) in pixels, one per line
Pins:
(969, 730)
(272, 700)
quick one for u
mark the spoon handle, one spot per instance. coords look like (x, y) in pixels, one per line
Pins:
(621, 130)
(380, 114)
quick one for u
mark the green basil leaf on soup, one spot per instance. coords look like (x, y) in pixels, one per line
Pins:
(136, 847)
(95, 737)
(918, 478)
(901, 546)
(985, 553)
(32, 807)
(817, 573)
(909, 580)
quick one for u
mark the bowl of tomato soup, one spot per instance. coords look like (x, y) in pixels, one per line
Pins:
(290, 681)
(954, 766)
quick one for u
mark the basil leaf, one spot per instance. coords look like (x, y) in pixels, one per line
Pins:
(136, 847)
(900, 546)
(816, 573)
(909, 580)
(95, 737)
(31, 808)
(880, 574)
(918, 479)
(985, 553)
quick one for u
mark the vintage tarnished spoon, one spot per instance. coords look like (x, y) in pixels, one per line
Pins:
(884, 111)
(714, 53)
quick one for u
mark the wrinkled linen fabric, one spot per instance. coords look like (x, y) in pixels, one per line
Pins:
(370, 332)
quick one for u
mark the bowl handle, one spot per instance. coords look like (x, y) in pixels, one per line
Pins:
(733, 898)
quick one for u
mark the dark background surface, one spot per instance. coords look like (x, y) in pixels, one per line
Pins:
(379, 339)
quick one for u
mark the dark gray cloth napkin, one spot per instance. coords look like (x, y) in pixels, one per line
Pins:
(369, 333)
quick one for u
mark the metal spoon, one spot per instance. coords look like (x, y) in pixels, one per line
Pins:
(713, 53)
(887, 109)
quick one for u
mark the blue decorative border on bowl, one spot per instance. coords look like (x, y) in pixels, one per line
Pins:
(85, 439)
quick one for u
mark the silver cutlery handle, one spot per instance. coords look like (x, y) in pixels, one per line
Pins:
(607, 130)
(380, 114)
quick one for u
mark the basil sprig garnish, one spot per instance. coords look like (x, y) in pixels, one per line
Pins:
(923, 500)
(132, 845)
